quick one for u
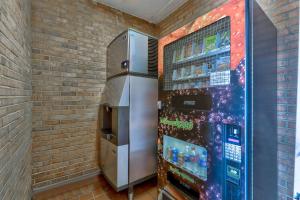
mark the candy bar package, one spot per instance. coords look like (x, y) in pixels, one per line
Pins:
(210, 43)
(223, 38)
(188, 50)
(223, 63)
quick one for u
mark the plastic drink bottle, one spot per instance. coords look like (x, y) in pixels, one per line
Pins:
(194, 160)
(187, 157)
(175, 155)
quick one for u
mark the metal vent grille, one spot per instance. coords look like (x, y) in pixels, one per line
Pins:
(152, 56)
(190, 61)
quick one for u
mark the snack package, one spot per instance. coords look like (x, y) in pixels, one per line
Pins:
(179, 86)
(178, 74)
(182, 73)
(188, 50)
(223, 63)
(211, 66)
(186, 86)
(205, 84)
(198, 84)
(178, 55)
(198, 71)
(175, 87)
(198, 47)
(175, 75)
(193, 85)
(205, 67)
(187, 72)
(210, 43)
(193, 71)
(223, 39)
(174, 56)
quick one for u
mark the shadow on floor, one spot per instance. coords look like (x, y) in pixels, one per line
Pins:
(98, 189)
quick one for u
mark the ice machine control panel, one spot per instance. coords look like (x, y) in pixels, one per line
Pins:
(233, 158)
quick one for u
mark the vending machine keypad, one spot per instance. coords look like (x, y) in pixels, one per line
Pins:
(233, 152)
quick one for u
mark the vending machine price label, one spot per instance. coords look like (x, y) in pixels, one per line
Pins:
(220, 78)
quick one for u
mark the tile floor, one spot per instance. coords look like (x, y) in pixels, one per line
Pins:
(98, 189)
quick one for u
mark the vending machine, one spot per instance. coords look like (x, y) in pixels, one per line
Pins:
(217, 107)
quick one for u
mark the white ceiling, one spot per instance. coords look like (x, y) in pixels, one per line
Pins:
(153, 11)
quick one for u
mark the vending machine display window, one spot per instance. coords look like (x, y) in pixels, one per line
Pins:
(200, 59)
(189, 157)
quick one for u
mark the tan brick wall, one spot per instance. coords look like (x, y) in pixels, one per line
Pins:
(285, 16)
(68, 74)
(15, 105)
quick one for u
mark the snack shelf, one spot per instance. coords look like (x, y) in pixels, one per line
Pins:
(197, 60)
(204, 55)
(192, 78)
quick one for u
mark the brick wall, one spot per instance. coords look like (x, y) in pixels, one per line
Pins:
(15, 105)
(68, 75)
(285, 16)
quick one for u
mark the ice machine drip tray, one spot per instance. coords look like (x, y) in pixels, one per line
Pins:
(105, 116)
(114, 124)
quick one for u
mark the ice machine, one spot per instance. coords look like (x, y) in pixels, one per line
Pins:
(217, 115)
(128, 111)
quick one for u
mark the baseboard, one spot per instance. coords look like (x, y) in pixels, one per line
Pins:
(65, 182)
